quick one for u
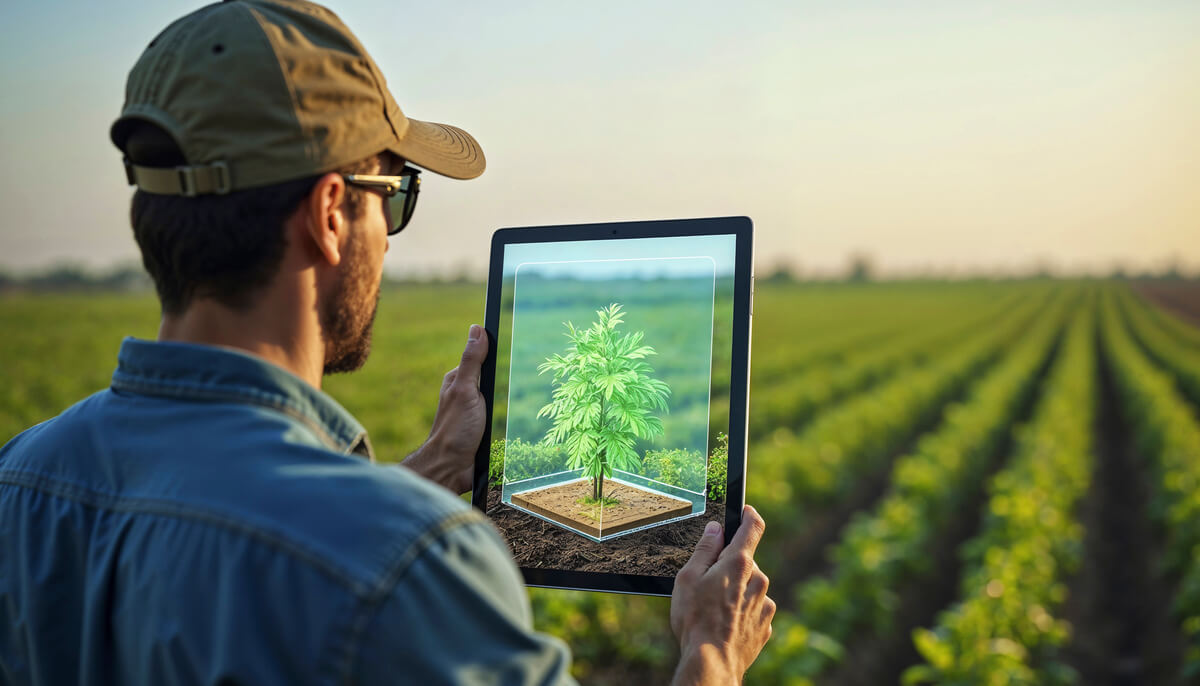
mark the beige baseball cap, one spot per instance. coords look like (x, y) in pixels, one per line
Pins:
(257, 92)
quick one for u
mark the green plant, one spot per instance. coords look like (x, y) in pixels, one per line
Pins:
(1170, 351)
(883, 550)
(677, 467)
(603, 398)
(517, 460)
(606, 500)
(686, 468)
(718, 468)
(1016, 569)
(1166, 428)
(802, 472)
(496, 462)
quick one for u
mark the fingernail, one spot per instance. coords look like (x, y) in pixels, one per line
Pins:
(712, 529)
(473, 333)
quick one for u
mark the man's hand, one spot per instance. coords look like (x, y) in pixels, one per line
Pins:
(720, 611)
(448, 456)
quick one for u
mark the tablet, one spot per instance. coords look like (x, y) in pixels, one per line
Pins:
(616, 387)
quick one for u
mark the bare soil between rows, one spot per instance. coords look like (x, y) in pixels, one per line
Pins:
(658, 551)
(1182, 298)
(882, 657)
(1118, 603)
(633, 507)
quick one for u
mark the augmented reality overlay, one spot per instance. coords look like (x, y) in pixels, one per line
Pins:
(612, 399)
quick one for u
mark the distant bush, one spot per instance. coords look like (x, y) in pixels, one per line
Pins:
(682, 468)
(66, 278)
(521, 460)
(718, 469)
(677, 467)
(496, 463)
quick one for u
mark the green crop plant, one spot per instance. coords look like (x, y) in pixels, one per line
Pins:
(718, 468)
(675, 466)
(516, 460)
(603, 398)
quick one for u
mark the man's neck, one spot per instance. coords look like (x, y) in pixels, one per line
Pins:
(277, 328)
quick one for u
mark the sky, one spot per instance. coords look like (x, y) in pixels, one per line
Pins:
(642, 258)
(952, 136)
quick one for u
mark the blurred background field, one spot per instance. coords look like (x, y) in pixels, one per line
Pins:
(964, 482)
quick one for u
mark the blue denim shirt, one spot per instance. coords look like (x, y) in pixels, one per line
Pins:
(213, 519)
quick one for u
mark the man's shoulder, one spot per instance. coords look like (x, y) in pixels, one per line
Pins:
(361, 520)
(249, 472)
(47, 434)
(370, 518)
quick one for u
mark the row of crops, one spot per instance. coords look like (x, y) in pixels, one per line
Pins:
(883, 549)
(1162, 404)
(1013, 580)
(924, 485)
(923, 454)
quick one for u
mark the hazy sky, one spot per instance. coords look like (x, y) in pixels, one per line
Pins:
(926, 134)
(632, 258)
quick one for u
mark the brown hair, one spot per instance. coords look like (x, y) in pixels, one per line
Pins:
(224, 247)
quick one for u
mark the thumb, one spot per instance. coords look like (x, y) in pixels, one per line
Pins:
(473, 356)
(708, 548)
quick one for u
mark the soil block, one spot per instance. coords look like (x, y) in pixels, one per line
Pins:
(567, 505)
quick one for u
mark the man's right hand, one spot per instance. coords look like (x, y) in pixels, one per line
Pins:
(720, 611)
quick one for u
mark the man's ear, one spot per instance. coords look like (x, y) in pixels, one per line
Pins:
(326, 221)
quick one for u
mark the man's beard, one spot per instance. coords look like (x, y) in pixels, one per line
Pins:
(347, 316)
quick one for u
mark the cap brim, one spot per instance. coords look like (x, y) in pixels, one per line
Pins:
(440, 148)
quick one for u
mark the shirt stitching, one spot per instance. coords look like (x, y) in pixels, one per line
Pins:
(370, 605)
(238, 394)
(312, 405)
(100, 500)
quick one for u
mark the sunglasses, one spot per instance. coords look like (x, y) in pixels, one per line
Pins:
(401, 192)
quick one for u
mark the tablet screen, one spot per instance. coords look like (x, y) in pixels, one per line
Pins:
(608, 444)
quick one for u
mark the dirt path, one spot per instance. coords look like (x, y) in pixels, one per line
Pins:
(1118, 603)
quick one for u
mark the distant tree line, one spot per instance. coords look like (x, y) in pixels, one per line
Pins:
(861, 268)
(132, 278)
(68, 278)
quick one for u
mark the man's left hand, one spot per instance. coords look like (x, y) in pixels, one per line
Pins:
(448, 456)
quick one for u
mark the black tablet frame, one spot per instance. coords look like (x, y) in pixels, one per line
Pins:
(739, 377)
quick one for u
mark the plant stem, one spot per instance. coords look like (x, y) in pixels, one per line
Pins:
(598, 485)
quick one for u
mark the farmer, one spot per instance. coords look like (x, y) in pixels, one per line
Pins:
(213, 517)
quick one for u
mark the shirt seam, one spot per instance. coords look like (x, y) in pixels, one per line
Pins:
(100, 500)
(370, 605)
(240, 394)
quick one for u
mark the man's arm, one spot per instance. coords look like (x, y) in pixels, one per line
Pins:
(448, 456)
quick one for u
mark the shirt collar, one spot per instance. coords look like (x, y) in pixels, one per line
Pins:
(203, 372)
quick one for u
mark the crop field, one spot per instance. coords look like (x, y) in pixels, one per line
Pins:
(963, 483)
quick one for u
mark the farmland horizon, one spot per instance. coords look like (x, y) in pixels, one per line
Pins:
(857, 266)
(474, 268)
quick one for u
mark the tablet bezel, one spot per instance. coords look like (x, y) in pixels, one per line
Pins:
(739, 376)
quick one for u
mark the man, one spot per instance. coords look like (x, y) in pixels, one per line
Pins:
(213, 517)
